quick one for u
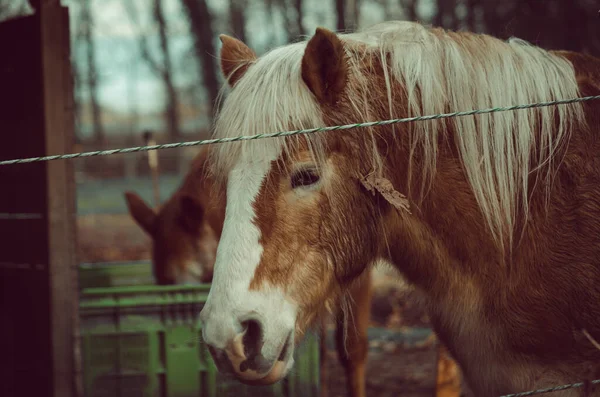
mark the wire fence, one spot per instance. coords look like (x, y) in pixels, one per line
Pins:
(296, 132)
(312, 131)
(553, 389)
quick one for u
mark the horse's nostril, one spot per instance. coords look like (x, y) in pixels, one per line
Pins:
(252, 338)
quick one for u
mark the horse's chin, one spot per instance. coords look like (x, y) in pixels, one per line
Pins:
(277, 373)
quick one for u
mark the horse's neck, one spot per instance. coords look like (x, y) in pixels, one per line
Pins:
(445, 238)
(586, 66)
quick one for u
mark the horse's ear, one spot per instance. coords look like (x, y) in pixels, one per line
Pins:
(324, 66)
(191, 213)
(140, 212)
(236, 57)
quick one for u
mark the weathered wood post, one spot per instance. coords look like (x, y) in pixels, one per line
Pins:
(38, 273)
(153, 164)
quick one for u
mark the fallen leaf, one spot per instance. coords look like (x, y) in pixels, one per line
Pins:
(386, 189)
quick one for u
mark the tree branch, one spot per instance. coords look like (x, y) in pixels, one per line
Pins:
(132, 13)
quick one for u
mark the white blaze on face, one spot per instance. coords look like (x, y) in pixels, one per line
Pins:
(238, 256)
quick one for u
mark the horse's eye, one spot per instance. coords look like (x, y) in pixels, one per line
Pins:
(304, 177)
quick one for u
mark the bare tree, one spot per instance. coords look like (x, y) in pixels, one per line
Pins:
(87, 25)
(293, 25)
(355, 10)
(340, 9)
(288, 24)
(552, 24)
(166, 71)
(237, 18)
(410, 8)
(299, 26)
(573, 32)
(270, 7)
(132, 81)
(163, 68)
(202, 32)
(347, 12)
(497, 17)
(446, 14)
(471, 6)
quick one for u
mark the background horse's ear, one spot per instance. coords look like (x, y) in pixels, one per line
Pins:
(236, 57)
(324, 66)
(140, 212)
(191, 213)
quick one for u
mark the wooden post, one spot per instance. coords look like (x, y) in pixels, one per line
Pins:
(130, 160)
(38, 273)
(153, 164)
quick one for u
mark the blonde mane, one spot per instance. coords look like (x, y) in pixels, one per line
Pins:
(440, 72)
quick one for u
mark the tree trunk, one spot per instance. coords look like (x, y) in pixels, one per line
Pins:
(172, 109)
(299, 26)
(293, 26)
(445, 16)
(356, 13)
(202, 32)
(237, 19)
(131, 158)
(410, 7)
(287, 24)
(340, 8)
(92, 75)
(470, 19)
(270, 7)
(573, 26)
(350, 12)
(497, 23)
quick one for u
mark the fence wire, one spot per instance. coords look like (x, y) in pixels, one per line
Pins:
(295, 132)
(552, 389)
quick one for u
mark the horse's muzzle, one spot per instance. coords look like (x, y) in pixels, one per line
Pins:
(242, 358)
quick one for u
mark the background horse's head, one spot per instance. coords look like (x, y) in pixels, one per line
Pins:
(302, 221)
(185, 231)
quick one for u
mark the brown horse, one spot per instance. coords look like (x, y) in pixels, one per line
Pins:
(501, 232)
(185, 233)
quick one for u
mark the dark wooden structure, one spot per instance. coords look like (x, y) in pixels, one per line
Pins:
(38, 274)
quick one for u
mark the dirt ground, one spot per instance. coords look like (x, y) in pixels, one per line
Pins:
(392, 371)
(402, 352)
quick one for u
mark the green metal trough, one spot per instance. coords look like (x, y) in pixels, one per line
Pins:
(144, 340)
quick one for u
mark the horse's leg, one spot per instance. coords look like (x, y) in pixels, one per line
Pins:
(447, 383)
(353, 355)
